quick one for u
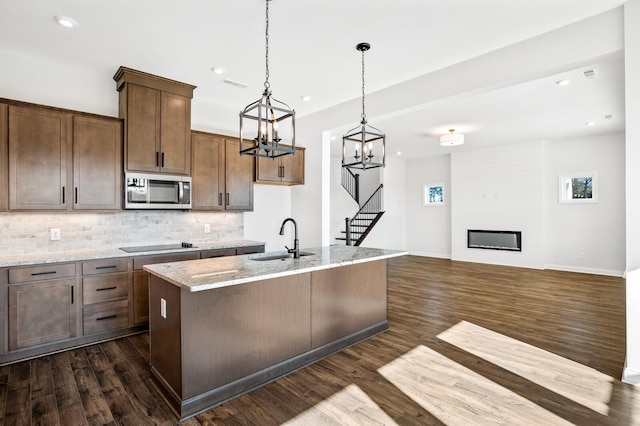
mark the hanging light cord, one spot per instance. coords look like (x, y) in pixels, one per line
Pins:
(364, 116)
(266, 58)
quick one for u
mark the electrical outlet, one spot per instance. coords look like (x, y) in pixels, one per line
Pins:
(55, 234)
(207, 228)
(163, 308)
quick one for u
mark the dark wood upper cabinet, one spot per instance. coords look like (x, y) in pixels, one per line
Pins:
(59, 160)
(4, 157)
(207, 171)
(239, 177)
(97, 163)
(39, 147)
(285, 170)
(222, 179)
(157, 113)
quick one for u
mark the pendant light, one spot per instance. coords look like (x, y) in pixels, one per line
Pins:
(273, 121)
(366, 142)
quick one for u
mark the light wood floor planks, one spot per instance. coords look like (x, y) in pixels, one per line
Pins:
(468, 344)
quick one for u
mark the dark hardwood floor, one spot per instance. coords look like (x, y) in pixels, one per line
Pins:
(468, 344)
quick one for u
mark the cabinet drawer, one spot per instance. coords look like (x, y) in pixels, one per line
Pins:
(250, 250)
(105, 288)
(109, 316)
(139, 262)
(41, 273)
(104, 266)
(207, 254)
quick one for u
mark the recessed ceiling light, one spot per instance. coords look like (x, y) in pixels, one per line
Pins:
(589, 123)
(563, 82)
(333, 138)
(217, 70)
(65, 21)
(399, 153)
(305, 98)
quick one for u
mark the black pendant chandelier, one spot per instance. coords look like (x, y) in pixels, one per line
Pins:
(364, 141)
(273, 121)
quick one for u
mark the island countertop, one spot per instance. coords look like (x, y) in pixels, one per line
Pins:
(205, 274)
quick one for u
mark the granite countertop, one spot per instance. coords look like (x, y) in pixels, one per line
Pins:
(80, 255)
(205, 274)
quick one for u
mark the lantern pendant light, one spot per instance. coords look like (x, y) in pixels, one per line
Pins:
(366, 142)
(273, 121)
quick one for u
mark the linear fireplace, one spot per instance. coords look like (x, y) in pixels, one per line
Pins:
(494, 240)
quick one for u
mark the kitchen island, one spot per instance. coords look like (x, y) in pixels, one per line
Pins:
(222, 327)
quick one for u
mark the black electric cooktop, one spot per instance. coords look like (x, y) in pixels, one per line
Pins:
(159, 247)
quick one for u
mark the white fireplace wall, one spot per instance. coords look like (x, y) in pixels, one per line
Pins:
(499, 188)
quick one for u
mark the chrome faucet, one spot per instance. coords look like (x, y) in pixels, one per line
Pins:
(296, 245)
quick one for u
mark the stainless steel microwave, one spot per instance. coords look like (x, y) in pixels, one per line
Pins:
(156, 191)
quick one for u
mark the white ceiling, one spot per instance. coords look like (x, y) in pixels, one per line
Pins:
(312, 53)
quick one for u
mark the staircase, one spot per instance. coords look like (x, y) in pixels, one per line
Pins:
(358, 227)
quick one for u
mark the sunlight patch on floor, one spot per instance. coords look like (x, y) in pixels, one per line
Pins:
(457, 395)
(350, 406)
(579, 383)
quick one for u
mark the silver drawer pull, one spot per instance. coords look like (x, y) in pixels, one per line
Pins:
(105, 288)
(33, 274)
(107, 318)
(106, 267)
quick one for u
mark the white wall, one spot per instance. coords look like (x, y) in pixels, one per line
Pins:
(632, 158)
(271, 206)
(586, 237)
(499, 189)
(390, 232)
(428, 227)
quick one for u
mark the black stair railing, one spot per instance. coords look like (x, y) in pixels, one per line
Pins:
(351, 182)
(365, 218)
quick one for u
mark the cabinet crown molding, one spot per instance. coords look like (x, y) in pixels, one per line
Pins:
(128, 75)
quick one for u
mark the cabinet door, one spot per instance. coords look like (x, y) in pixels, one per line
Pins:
(175, 153)
(143, 129)
(293, 168)
(41, 312)
(39, 143)
(97, 163)
(207, 173)
(238, 177)
(4, 156)
(268, 169)
(140, 297)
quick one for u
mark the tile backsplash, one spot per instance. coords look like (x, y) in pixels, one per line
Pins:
(22, 233)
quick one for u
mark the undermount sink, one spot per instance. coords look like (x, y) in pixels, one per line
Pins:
(277, 256)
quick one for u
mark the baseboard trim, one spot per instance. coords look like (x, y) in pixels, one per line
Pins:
(630, 376)
(424, 254)
(582, 270)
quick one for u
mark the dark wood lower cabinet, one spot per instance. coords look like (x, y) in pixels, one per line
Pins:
(140, 297)
(51, 307)
(41, 312)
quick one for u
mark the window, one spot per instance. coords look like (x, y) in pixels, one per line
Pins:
(433, 194)
(578, 188)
